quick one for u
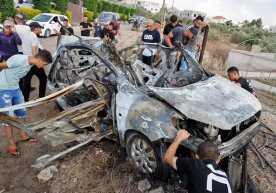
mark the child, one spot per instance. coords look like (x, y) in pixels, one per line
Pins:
(233, 74)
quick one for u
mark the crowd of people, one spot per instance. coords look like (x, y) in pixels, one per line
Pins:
(22, 56)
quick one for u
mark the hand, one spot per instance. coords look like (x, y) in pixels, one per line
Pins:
(171, 47)
(182, 135)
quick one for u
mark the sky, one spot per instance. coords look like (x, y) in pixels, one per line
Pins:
(236, 10)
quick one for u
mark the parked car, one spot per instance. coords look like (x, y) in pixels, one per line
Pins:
(106, 17)
(46, 20)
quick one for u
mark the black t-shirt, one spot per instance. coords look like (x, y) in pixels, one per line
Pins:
(98, 31)
(245, 84)
(63, 32)
(85, 32)
(204, 176)
(168, 28)
(108, 33)
(151, 36)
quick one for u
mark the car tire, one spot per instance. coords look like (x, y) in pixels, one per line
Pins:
(47, 33)
(147, 156)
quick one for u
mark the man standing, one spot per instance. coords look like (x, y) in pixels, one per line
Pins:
(168, 28)
(85, 27)
(24, 33)
(97, 28)
(204, 174)
(18, 11)
(32, 49)
(9, 40)
(62, 31)
(193, 47)
(11, 71)
(150, 35)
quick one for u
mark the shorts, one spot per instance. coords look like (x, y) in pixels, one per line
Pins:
(9, 98)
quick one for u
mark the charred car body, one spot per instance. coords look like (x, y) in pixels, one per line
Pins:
(139, 105)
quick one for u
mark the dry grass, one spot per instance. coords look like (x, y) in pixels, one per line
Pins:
(98, 168)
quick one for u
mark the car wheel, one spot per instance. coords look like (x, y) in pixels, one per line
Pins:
(147, 156)
(47, 33)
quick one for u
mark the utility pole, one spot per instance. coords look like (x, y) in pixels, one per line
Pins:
(163, 14)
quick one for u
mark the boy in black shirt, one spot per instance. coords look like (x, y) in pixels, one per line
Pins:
(150, 35)
(168, 28)
(233, 74)
(85, 27)
(62, 31)
(204, 175)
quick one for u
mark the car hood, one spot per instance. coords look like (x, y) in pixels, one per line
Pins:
(216, 101)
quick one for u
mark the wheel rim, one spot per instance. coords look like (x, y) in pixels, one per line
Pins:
(143, 156)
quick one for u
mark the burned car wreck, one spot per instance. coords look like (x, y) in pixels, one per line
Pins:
(120, 97)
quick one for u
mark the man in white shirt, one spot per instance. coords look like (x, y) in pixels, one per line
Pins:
(32, 47)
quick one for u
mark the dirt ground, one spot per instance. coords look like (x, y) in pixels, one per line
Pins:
(102, 166)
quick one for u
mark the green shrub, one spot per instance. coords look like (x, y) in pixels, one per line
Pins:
(90, 15)
(61, 5)
(55, 12)
(0, 16)
(213, 35)
(30, 12)
(43, 5)
(91, 5)
(6, 8)
(96, 15)
(238, 37)
(69, 15)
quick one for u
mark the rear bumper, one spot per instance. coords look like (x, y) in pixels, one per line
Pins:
(236, 143)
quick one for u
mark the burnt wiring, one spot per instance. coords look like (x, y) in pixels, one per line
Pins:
(269, 135)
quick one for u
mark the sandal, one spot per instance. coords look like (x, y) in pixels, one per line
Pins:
(14, 152)
(29, 140)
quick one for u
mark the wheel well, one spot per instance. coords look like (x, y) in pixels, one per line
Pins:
(131, 131)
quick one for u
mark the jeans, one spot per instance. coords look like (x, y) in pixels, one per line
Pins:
(9, 98)
(184, 65)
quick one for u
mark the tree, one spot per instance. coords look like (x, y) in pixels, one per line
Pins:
(61, 5)
(91, 5)
(6, 9)
(43, 5)
(259, 23)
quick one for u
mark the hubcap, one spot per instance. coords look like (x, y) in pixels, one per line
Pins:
(143, 156)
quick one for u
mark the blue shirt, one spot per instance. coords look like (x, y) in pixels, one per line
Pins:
(18, 67)
(8, 45)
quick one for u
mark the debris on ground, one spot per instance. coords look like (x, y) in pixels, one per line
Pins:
(47, 174)
(144, 185)
(158, 190)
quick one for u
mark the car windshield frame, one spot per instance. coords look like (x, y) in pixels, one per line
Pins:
(104, 16)
(42, 18)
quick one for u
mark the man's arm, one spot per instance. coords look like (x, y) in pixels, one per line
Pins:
(168, 39)
(3, 65)
(34, 50)
(170, 157)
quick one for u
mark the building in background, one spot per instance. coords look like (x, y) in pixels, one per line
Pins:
(130, 2)
(218, 19)
(191, 14)
(272, 29)
(150, 6)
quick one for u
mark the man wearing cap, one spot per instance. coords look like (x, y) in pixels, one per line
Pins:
(9, 40)
(11, 71)
(32, 49)
(24, 34)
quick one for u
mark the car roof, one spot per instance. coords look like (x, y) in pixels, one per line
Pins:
(52, 14)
